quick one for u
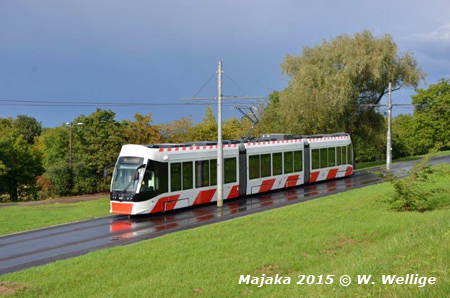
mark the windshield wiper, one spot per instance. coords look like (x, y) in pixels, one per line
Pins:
(135, 178)
(126, 187)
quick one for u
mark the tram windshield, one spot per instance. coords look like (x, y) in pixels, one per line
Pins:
(123, 179)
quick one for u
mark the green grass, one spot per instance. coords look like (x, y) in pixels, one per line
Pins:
(371, 164)
(21, 218)
(349, 233)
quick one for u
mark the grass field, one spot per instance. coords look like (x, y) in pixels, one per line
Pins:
(21, 218)
(371, 164)
(349, 233)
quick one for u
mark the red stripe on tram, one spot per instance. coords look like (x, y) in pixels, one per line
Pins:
(313, 176)
(267, 185)
(291, 181)
(204, 196)
(332, 173)
(234, 193)
(165, 204)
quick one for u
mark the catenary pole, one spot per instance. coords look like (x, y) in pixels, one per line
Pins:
(219, 138)
(70, 138)
(389, 145)
(220, 98)
(70, 143)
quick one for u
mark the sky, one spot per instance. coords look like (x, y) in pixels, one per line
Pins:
(161, 51)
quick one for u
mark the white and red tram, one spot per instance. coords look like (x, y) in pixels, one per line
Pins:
(158, 178)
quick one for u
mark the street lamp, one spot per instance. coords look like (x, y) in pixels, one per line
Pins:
(70, 138)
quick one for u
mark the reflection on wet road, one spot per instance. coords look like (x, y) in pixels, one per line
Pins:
(41, 246)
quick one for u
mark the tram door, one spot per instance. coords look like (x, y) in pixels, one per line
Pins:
(307, 162)
(242, 170)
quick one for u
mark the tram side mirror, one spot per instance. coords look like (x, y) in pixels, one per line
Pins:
(136, 173)
(105, 170)
(136, 176)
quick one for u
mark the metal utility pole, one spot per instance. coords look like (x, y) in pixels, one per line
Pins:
(389, 105)
(389, 141)
(70, 143)
(219, 138)
(219, 98)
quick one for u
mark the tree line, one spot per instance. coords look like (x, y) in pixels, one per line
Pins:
(35, 162)
(333, 87)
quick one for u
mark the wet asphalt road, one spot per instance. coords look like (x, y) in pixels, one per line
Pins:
(37, 247)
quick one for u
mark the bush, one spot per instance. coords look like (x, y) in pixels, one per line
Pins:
(408, 192)
(63, 179)
(60, 178)
(84, 179)
(44, 186)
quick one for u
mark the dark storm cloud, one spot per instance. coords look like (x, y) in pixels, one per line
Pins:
(433, 49)
(158, 51)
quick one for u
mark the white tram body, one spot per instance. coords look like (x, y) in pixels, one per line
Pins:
(159, 178)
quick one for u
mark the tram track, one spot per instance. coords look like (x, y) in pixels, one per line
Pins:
(279, 196)
(37, 247)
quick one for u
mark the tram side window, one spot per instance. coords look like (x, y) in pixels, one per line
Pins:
(331, 157)
(230, 170)
(155, 177)
(213, 168)
(288, 162)
(201, 173)
(253, 166)
(315, 159)
(323, 157)
(187, 175)
(266, 169)
(298, 161)
(344, 155)
(338, 156)
(175, 176)
(277, 163)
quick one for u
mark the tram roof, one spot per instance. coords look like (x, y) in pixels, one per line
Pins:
(263, 138)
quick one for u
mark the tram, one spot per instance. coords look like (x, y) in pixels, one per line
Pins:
(162, 177)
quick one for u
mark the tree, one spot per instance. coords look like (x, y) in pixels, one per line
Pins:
(331, 84)
(58, 179)
(430, 124)
(270, 118)
(19, 164)
(176, 131)
(205, 130)
(432, 117)
(98, 141)
(59, 176)
(403, 135)
(233, 129)
(28, 127)
(2, 168)
(369, 136)
(53, 144)
(140, 131)
(209, 117)
(84, 181)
